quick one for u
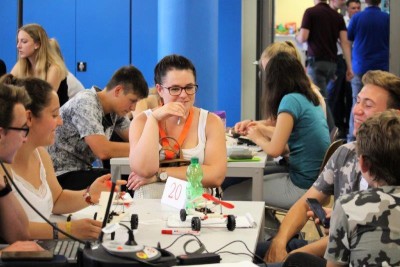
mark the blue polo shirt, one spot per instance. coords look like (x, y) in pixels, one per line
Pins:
(369, 32)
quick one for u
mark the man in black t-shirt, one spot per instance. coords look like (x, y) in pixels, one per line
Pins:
(321, 27)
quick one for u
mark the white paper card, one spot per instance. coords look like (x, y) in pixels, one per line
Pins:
(174, 194)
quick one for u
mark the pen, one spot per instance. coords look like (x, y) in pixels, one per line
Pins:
(178, 232)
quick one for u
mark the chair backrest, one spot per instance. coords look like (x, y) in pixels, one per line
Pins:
(331, 149)
(334, 134)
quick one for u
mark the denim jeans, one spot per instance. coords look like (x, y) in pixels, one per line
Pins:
(263, 247)
(340, 96)
(321, 72)
(356, 86)
(301, 259)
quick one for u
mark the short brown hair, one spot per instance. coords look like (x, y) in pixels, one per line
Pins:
(132, 80)
(10, 96)
(387, 81)
(378, 143)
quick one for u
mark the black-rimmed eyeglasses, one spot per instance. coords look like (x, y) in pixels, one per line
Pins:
(26, 130)
(177, 90)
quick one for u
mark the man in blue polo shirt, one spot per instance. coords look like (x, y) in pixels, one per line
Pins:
(369, 32)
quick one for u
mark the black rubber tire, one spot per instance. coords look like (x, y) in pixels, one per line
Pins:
(231, 222)
(183, 215)
(134, 221)
(196, 224)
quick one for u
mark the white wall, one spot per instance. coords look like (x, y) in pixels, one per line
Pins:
(249, 28)
(291, 11)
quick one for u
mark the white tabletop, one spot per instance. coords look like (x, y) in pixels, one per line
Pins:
(124, 161)
(153, 216)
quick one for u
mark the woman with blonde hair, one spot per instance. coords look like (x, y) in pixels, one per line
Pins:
(74, 85)
(37, 59)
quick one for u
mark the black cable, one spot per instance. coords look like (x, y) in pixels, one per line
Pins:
(240, 241)
(218, 251)
(179, 237)
(9, 179)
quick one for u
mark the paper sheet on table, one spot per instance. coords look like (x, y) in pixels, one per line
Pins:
(246, 221)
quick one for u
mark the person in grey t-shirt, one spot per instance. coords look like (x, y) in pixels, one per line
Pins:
(89, 119)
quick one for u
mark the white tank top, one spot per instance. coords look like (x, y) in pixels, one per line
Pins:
(197, 151)
(40, 198)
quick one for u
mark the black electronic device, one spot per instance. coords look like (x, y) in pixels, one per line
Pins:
(245, 140)
(101, 258)
(198, 258)
(242, 139)
(316, 207)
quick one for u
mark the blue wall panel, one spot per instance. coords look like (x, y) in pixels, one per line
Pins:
(144, 37)
(58, 19)
(229, 59)
(8, 29)
(190, 28)
(108, 34)
(102, 34)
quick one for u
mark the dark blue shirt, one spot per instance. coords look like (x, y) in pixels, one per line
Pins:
(369, 31)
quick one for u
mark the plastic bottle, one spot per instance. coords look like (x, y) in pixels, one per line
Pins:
(194, 175)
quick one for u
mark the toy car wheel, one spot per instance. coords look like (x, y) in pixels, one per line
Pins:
(231, 224)
(196, 224)
(134, 221)
(183, 215)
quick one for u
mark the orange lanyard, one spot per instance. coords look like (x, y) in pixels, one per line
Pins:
(170, 154)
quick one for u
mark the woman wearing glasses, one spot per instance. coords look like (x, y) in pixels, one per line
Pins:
(196, 131)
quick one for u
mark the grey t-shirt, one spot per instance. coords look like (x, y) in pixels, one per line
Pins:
(365, 228)
(82, 116)
(341, 174)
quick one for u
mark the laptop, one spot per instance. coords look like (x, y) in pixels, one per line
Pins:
(64, 247)
(69, 248)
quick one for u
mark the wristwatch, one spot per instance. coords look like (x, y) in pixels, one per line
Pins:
(162, 176)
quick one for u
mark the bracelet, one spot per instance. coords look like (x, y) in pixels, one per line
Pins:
(68, 224)
(87, 196)
(55, 230)
(6, 190)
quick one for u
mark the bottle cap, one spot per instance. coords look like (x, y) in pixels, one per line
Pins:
(194, 160)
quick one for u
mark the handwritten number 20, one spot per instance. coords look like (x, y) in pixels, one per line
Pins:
(176, 191)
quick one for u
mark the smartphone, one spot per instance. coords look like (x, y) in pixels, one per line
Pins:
(26, 255)
(316, 207)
